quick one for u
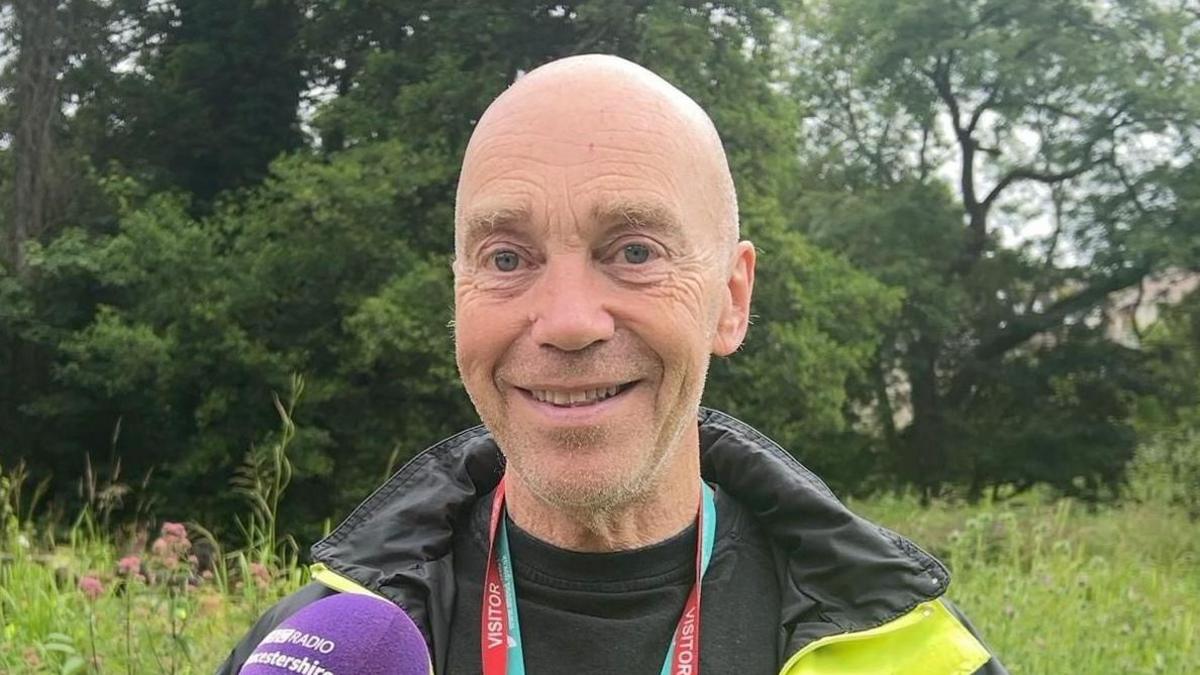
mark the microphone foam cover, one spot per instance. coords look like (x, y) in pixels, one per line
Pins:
(343, 634)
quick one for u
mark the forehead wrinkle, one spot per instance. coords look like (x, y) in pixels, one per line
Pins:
(618, 172)
(538, 148)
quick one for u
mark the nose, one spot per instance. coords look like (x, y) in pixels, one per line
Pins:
(568, 306)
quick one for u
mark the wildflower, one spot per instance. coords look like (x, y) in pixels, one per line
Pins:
(262, 576)
(91, 586)
(161, 547)
(172, 547)
(130, 564)
(174, 530)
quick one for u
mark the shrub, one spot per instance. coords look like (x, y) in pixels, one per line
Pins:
(1167, 470)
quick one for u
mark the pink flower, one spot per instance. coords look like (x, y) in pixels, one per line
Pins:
(130, 564)
(91, 586)
(173, 546)
(262, 576)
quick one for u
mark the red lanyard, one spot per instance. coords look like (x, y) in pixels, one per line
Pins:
(500, 628)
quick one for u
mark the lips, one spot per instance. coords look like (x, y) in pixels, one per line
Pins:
(577, 397)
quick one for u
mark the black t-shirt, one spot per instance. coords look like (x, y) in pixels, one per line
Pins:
(603, 613)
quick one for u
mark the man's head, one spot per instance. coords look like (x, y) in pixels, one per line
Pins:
(597, 269)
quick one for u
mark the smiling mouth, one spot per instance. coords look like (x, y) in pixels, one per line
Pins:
(577, 398)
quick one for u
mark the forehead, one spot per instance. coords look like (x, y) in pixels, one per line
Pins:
(598, 156)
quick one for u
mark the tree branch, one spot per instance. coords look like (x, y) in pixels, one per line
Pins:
(1133, 313)
(983, 107)
(922, 156)
(940, 76)
(1056, 197)
(854, 132)
(1023, 328)
(1025, 173)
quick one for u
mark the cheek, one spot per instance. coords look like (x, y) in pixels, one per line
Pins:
(485, 329)
(676, 321)
(683, 308)
(475, 346)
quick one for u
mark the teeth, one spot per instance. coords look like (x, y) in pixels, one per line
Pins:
(573, 398)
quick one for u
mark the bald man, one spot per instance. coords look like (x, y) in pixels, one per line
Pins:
(597, 269)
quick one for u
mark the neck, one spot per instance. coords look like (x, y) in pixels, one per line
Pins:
(664, 509)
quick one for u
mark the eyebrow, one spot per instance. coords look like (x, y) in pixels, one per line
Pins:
(478, 224)
(636, 215)
(614, 215)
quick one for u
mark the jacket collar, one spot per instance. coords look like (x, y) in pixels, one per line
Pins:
(838, 572)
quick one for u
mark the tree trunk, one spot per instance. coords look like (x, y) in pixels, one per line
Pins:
(40, 35)
(927, 455)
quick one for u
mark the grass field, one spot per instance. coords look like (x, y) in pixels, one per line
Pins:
(1056, 589)
(1053, 587)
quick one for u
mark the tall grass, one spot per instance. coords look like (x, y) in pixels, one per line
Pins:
(80, 605)
(1057, 587)
(1053, 585)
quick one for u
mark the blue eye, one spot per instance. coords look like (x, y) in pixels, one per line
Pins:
(636, 254)
(506, 261)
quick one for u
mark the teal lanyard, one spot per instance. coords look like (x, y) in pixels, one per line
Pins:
(689, 622)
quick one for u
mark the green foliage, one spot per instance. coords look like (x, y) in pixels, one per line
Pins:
(1167, 465)
(213, 97)
(1173, 346)
(263, 478)
(1167, 470)
(1056, 416)
(998, 370)
(321, 271)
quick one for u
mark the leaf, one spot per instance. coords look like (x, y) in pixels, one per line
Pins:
(60, 648)
(74, 664)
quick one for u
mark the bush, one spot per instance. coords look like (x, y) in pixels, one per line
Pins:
(1166, 470)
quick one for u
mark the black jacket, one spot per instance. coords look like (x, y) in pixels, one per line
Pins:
(840, 575)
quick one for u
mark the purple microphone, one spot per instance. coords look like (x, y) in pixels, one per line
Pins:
(344, 634)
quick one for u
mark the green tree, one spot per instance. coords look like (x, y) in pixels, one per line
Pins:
(55, 56)
(1009, 165)
(209, 96)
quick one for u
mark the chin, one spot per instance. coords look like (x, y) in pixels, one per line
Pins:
(582, 492)
(588, 481)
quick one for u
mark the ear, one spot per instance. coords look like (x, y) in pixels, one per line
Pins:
(734, 319)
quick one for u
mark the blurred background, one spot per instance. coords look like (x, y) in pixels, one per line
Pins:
(225, 284)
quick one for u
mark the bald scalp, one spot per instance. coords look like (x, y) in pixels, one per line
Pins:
(583, 88)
